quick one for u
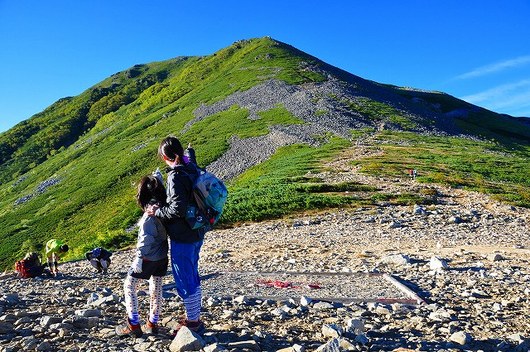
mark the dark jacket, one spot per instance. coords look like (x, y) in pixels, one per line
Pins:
(98, 253)
(178, 189)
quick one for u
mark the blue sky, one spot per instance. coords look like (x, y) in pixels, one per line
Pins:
(475, 50)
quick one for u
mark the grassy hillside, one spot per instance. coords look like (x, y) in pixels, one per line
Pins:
(70, 171)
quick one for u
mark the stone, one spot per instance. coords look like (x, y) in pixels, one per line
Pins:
(214, 347)
(244, 345)
(455, 220)
(49, 320)
(437, 264)
(362, 339)
(495, 257)
(397, 259)
(347, 345)
(331, 330)
(186, 340)
(418, 210)
(6, 327)
(44, 346)
(355, 326)
(461, 338)
(241, 300)
(321, 305)
(331, 346)
(394, 225)
(305, 301)
(88, 312)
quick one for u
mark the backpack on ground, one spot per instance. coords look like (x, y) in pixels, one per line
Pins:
(30, 266)
(208, 197)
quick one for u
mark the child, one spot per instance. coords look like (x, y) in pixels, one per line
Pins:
(54, 250)
(150, 261)
(99, 258)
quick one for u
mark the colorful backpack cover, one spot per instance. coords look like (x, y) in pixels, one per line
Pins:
(208, 197)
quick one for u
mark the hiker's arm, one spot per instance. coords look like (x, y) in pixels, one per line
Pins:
(191, 154)
(177, 201)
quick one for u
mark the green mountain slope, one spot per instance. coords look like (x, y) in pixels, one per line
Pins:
(70, 171)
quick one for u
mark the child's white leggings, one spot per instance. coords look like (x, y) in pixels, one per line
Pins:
(131, 299)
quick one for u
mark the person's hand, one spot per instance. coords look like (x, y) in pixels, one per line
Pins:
(136, 265)
(158, 175)
(151, 209)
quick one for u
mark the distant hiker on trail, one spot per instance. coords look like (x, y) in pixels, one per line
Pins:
(54, 250)
(99, 258)
(29, 266)
(185, 242)
(149, 263)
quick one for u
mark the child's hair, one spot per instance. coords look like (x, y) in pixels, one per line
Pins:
(64, 248)
(150, 191)
(171, 148)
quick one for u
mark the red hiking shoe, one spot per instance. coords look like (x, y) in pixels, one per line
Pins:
(151, 328)
(195, 326)
(128, 329)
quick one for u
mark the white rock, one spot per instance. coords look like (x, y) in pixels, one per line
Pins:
(331, 330)
(331, 346)
(437, 264)
(397, 259)
(355, 326)
(460, 337)
(305, 301)
(186, 340)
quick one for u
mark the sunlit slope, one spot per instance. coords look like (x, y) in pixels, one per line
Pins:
(70, 171)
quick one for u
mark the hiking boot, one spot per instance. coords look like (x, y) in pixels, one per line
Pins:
(151, 328)
(195, 326)
(128, 329)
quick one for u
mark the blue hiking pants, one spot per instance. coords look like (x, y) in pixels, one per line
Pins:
(185, 267)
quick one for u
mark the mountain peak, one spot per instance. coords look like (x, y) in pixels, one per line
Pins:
(261, 114)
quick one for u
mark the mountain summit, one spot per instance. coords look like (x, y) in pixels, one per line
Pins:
(261, 114)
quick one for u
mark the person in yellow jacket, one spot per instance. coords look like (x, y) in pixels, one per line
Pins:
(54, 250)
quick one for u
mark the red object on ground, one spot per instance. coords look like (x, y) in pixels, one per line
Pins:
(284, 284)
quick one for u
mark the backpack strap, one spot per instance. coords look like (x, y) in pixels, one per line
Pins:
(191, 177)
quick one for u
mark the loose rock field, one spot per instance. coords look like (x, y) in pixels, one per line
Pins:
(478, 298)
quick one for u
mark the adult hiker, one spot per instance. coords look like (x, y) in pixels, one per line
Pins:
(185, 243)
(149, 262)
(99, 258)
(55, 249)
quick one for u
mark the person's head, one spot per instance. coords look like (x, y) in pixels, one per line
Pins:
(150, 191)
(171, 151)
(64, 248)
